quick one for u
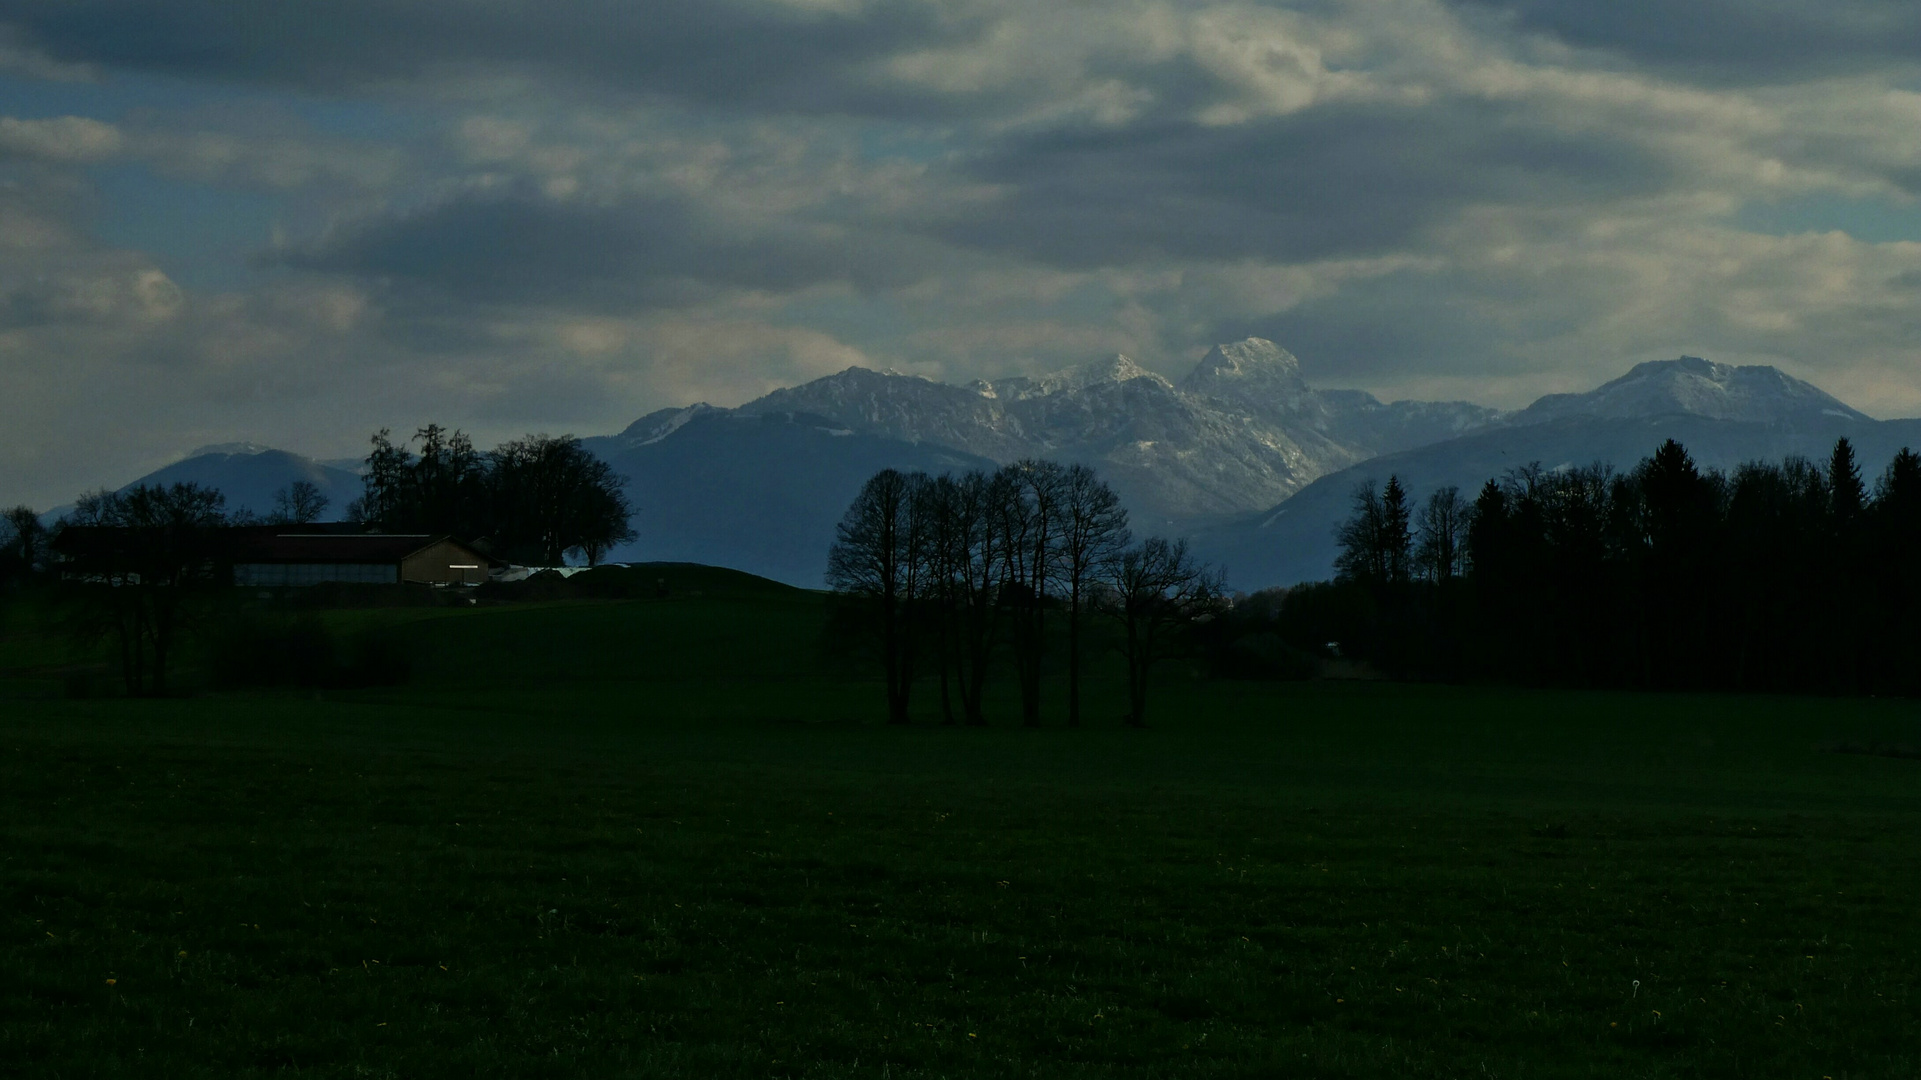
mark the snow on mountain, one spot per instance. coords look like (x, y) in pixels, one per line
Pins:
(661, 423)
(1254, 376)
(1242, 454)
(246, 449)
(1240, 432)
(1723, 414)
(249, 475)
(1081, 377)
(1695, 387)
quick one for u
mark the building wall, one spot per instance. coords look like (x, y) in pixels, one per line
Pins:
(266, 575)
(444, 563)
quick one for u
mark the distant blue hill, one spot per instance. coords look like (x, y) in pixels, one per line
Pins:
(249, 475)
(760, 493)
(760, 488)
(1294, 541)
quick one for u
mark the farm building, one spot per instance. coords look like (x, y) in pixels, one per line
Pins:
(268, 556)
(310, 558)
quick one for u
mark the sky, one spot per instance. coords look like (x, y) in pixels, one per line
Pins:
(297, 222)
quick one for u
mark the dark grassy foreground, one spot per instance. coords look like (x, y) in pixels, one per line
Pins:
(641, 839)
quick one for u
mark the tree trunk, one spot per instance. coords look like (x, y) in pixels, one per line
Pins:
(946, 658)
(903, 683)
(1074, 661)
(893, 659)
(1030, 668)
(163, 620)
(1139, 659)
(973, 687)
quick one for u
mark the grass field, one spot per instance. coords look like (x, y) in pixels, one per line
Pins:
(653, 838)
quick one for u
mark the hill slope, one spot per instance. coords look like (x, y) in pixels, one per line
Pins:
(1294, 541)
(760, 493)
(249, 475)
(1241, 431)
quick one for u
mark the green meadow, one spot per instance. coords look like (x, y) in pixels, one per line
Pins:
(668, 837)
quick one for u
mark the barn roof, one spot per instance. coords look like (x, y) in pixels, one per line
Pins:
(328, 548)
(275, 544)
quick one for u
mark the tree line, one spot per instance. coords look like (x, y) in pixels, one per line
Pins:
(157, 553)
(962, 572)
(1777, 576)
(533, 500)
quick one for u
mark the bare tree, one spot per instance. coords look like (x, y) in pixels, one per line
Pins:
(1376, 542)
(1158, 592)
(1359, 538)
(978, 578)
(1092, 535)
(22, 542)
(299, 503)
(876, 562)
(141, 556)
(1030, 525)
(1443, 530)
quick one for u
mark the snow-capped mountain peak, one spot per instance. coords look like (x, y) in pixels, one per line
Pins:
(244, 449)
(1249, 360)
(661, 423)
(1242, 431)
(1117, 369)
(1693, 386)
(1254, 375)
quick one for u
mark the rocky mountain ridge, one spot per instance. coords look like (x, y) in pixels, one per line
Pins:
(1691, 386)
(1241, 454)
(1241, 431)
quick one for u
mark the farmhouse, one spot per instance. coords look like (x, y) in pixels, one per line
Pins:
(292, 556)
(268, 556)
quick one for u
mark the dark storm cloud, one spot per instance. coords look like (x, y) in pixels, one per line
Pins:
(1743, 40)
(726, 51)
(1333, 181)
(525, 249)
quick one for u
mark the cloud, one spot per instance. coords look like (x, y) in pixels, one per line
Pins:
(783, 56)
(63, 139)
(517, 216)
(1739, 40)
(1339, 180)
(524, 248)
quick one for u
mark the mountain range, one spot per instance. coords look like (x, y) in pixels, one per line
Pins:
(1243, 430)
(1241, 455)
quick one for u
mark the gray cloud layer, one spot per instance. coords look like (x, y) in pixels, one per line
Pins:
(1748, 40)
(1344, 180)
(724, 51)
(525, 249)
(589, 209)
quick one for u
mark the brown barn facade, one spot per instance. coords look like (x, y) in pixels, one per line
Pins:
(278, 556)
(293, 559)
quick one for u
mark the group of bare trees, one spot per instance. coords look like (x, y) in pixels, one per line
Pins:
(23, 542)
(958, 570)
(1388, 542)
(152, 553)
